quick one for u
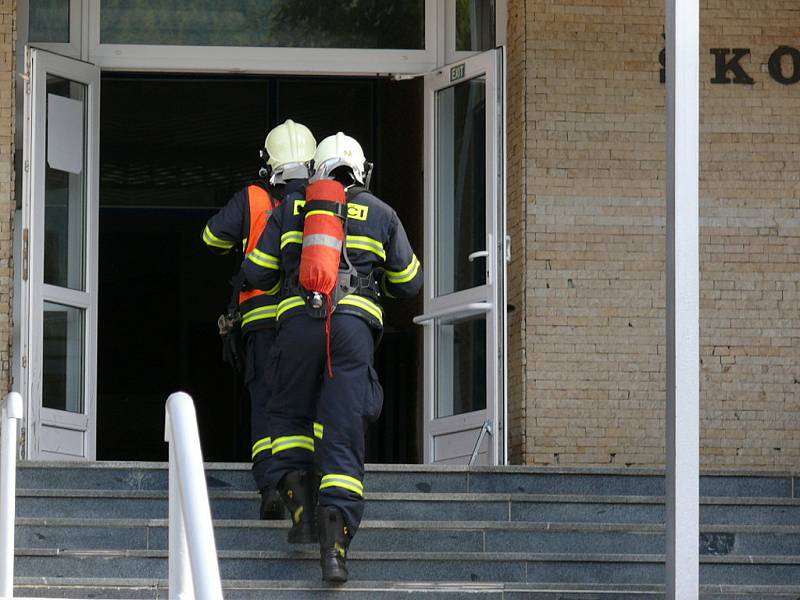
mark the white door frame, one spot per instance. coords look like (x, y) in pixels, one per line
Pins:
(487, 299)
(40, 64)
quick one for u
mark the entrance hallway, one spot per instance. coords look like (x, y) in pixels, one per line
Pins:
(173, 150)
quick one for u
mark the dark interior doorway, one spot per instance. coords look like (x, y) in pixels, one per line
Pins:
(173, 150)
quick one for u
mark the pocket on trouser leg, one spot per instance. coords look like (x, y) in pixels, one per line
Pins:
(373, 397)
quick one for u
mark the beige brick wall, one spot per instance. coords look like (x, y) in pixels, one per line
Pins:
(8, 37)
(516, 165)
(594, 300)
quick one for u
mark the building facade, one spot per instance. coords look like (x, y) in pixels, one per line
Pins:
(581, 376)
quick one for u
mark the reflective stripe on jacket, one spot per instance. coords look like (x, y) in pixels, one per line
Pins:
(242, 221)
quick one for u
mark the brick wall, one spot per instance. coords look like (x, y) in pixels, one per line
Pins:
(8, 36)
(516, 165)
(594, 299)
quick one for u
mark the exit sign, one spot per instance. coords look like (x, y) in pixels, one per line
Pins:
(457, 72)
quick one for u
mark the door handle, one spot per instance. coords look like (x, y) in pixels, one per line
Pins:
(463, 309)
(477, 254)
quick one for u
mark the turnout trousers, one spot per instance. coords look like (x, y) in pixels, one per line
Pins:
(342, 405)
(258, 345)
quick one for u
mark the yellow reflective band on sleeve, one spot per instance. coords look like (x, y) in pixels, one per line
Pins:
(292, 441)
(318, 428)
(275, 288)
(291, 237)
(343, 481)
(289, 304)
(262, 312)
(364, 304)
(262, 445)
(362, 242)
(262, 259)
(210, 239)
(406, 274)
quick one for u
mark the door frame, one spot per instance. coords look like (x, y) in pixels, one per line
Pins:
(35, 292)
(488, 299)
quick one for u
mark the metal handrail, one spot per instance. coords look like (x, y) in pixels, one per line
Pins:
(11, 414)
(193, 564)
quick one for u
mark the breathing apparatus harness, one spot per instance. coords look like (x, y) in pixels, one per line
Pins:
(321, 280)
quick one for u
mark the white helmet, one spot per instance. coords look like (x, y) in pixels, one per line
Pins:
(340, 150)
(289, 145)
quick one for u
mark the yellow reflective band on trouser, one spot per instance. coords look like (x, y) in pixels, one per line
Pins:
(364, 304)
(288, 442)
(288, 304)
(318, 430)
(362, 242)
(262, 259)
(212, 240)
(262, 445)
(406, 274)
(262, 312)
(343, 481)
(291, 237)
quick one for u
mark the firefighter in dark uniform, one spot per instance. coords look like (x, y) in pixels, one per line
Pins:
(337, 384)
(288, 150)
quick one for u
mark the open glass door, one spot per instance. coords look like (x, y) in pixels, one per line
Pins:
(59, 256)
(464, 314)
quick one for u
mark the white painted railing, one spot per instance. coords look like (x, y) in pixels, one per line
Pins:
(193, 566)
(11, 414)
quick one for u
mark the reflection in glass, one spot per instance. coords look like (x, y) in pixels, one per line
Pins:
(461, 185)
(475, 25)
(48, 21)
(65, 196)
(460, 366)
(63, 351)
(387, 24)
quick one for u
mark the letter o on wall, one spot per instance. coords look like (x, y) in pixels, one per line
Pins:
(776, 67)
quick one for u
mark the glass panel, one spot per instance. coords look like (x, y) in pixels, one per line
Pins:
(461, 185)
(62, 370)
(475, 25)
(389, 24)
(48, 21)
(65, 191)
(460, 366)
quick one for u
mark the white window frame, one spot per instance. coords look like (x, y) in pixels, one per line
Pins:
(72, 49)
(300, 61)
(451, 55)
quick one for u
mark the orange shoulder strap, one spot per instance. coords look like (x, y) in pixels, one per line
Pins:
(260, 209)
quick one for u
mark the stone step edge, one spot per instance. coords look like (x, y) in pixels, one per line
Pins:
(415, 468)
(455, 497)
(316, 585)
(313, 554)
(532, 526)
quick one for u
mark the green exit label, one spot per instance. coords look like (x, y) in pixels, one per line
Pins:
(457, 72)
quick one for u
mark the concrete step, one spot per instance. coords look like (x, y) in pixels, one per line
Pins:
(427, 536)
(155, 589)
(418, 479)
(423, 507)
(506, 567)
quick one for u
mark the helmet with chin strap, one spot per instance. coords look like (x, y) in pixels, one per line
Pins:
(288, 151)
(341, 154)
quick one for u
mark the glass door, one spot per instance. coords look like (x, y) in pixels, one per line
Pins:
(464, 314)
(59, 270)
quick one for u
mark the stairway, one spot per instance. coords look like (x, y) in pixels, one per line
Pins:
(100, 531)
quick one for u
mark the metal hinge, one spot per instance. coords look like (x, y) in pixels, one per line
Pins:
(508, 249)
(25, 254)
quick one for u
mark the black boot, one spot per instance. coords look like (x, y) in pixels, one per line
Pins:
(299, 492)
(333, 542)
(272, 508)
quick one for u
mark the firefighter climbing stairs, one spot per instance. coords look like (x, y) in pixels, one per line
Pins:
(99, 530)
